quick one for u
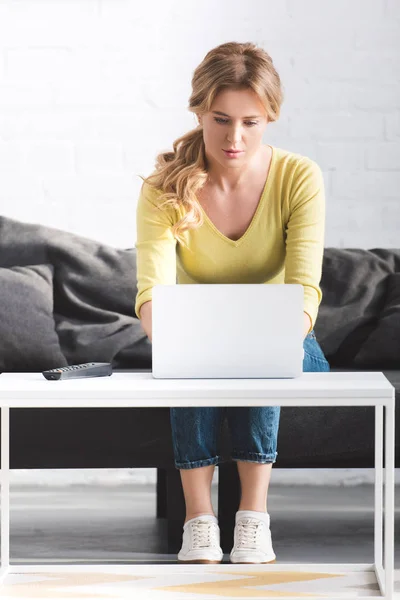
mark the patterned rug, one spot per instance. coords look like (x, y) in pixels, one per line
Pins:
(197, 582)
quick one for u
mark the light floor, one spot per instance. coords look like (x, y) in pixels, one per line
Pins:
(98, 524)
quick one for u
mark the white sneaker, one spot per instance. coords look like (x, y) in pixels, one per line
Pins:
(201, 540)
(252, 538)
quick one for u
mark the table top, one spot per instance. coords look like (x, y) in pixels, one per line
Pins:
(142, 390)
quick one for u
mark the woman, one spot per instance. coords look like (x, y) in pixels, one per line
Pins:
(223, 207)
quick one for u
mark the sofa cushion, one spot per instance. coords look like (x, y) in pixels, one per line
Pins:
(382, 347)
(354, 288)
(94, 292)
(28, 340)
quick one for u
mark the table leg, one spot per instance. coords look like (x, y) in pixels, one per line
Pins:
(378, 510)
(389, 498)
(5, 492)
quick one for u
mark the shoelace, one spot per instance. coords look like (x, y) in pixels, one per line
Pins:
(204, 534)
(247, 531)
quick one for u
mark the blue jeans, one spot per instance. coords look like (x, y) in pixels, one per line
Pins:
(254, 429)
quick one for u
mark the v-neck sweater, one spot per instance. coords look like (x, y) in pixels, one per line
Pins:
(284, 242)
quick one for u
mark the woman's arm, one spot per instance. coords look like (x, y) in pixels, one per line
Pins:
(155, 251)
(305, 235)
(146, 318)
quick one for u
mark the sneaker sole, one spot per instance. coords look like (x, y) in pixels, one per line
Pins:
(201, 561)
(268, 562)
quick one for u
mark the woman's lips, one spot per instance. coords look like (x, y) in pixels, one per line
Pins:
(233, 154)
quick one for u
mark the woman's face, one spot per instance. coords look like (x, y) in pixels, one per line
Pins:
(237, 120)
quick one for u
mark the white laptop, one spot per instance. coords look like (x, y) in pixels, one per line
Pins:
(227, 331)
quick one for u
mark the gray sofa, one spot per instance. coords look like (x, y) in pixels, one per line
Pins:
(66, 299)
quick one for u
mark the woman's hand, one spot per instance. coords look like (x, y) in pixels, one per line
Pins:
(146, 318)
(307, 324)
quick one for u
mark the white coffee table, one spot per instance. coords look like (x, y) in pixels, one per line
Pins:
(31, 390)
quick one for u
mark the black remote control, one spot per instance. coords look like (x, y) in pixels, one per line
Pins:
(93, 369)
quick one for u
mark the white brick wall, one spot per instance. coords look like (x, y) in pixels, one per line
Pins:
(92, 90)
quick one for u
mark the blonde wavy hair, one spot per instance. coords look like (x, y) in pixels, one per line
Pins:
(180, 174)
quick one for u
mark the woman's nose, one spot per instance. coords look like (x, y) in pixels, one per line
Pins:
(235, 135)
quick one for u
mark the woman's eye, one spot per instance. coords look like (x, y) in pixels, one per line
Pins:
(223, 121)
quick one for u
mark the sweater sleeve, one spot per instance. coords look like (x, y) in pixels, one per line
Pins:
(155, 245)
(305, 232)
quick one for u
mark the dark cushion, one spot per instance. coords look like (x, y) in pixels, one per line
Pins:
(94, 292)
(382, 347)
(28, 340)
(354, 287)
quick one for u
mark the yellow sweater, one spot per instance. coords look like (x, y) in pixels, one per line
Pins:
(283, 244)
